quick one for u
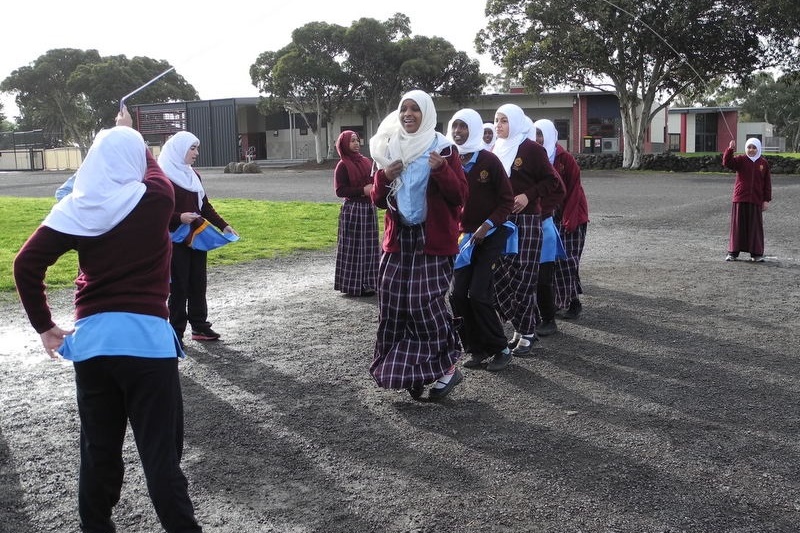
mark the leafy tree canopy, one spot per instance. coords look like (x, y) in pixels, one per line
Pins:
(365, 67)
(648, 52)
(77, 92)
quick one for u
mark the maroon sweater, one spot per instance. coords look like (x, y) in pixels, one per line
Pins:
(126, 269)
(186, 202)
(490, 196)
(574, 210)
(446, 193)
(534, 176)
(753, 183)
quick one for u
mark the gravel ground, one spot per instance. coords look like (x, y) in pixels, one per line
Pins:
(670, 405)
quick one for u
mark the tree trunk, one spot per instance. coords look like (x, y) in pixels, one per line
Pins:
(634, 125)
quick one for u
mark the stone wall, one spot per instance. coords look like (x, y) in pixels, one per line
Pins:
(674, 163)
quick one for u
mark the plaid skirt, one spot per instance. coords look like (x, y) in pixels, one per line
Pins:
(358, 249)
(516, 276)
(566, 275)
(747, 229)
(417, 341)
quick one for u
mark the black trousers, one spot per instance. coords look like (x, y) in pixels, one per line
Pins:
(544, 291)
(112, 391)
(472, 297)
(187, 290)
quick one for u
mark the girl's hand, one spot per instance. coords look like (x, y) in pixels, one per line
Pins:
(435, 160)
(393, 170)
(52, 339)
(765, 206)
(124, 118)
(732, 145)
(367, 189)
(520, 203)
(188, 218)
(229, 229)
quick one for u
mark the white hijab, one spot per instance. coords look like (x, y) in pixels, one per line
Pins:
(173, 162)
(755, 142)
(506, 149)
(391, 142)
(474, 124)
(549, 136)
(490, 126)
(108, 185)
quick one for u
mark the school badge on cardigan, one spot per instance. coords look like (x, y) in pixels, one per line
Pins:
(202, 236)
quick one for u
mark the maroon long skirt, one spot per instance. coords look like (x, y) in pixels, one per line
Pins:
(747, 229)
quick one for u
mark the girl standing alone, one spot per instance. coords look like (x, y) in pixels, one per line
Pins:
(752, 193)
(358, 249)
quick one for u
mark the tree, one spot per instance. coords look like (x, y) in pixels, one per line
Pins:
(389, 62)
(765, 98)
(75, 92)
(307, 77)
(366, 67)
(647, 52)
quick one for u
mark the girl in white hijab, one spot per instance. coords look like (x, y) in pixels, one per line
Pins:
(549, 137)
(752, 193)
(187, 298)
(489, 136)
(108, 185)
(421, 185)
(535, 183)
(172, 161)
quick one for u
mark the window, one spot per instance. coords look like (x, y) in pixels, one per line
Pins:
(674, 142)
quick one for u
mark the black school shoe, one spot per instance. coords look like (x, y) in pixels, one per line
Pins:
(500, 361)
(438, 394)
(574, 310)
(204, 333)
(522, 350)
(476, 360)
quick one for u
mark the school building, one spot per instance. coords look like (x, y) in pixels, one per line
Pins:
(233, 130)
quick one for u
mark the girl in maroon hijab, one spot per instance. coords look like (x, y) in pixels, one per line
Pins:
(358, 248)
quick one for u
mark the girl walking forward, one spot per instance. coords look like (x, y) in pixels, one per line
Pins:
(358, 248)
(421, 185)
(534, 182)
(484, 235)
(571, 218)
(752, 193)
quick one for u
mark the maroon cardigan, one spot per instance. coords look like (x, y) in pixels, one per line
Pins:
(534, 176)
(446, 193)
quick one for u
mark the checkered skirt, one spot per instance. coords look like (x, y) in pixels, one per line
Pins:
(358, 249)
(516, 275)
(416, 342)
(566, 275)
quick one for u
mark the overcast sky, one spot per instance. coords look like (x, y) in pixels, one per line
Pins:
(212, 48)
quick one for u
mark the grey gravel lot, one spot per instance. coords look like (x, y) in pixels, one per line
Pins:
(670, 405)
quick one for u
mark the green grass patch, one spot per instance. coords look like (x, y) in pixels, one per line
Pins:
(267, 230)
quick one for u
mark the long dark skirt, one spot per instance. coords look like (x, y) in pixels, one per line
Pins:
(747, 229)
(416, 341)
(566, 276)
(358, 249)
(516, 276)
